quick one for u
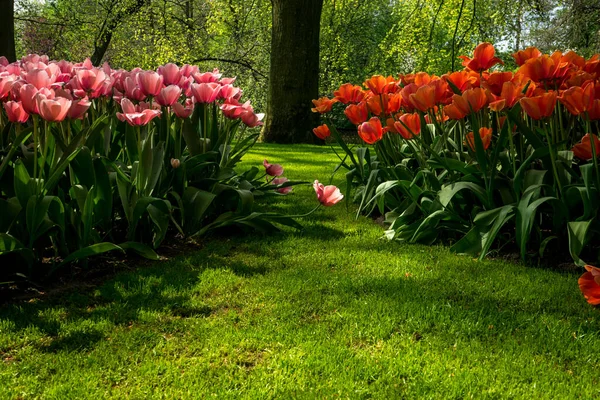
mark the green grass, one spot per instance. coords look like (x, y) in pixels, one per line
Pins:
(330, 312)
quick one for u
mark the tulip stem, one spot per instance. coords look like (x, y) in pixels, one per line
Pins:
(35, 145)
(299, 215)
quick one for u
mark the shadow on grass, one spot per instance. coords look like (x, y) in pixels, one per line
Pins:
(168, 288)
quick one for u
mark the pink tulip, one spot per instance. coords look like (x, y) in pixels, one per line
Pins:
(89, 80)
(135, 117)
(207, 77)
(205, 92)
(171, 74)
(79, 108)
(232, 109)
(273, 169)
(132, 91)
(181, 111)
(53, 110)
(150, 82)
(227, 81)
(251, 120)
(16, 112)
(279, 181)
(327, 195)
(27, 95)
(6, 83)
(168, 96)
(4, 61)
(188, 70)
(39, 78)
(229, 91)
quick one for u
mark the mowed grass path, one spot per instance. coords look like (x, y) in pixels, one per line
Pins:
(329, 312)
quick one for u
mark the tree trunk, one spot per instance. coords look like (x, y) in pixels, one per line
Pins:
(7, 30)
(294, 73)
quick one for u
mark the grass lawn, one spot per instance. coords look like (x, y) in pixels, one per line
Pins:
(329, 312)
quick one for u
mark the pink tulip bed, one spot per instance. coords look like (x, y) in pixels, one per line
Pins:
(94, 160)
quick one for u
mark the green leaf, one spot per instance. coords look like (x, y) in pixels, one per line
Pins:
(141, 249)
(448, 192)
(89, 251)
(578, 236)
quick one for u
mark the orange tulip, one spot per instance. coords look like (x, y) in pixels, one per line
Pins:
(472, 100)
(578, 78)
(453, 112)
(348, 93)
(486, 138)
(495, 81)
(463, 80)
(323, 105)
(322, 131)
(583, 149)
(406, 92)
(424, 98)
(374, 104)
(573, 58)
(409, 125)
(483, 58)
(539, 107)
(594, 111)
(371, 131)
(511, 93)
(523, 55)
(380, 84)
(578, 100)
(544, 68)
(357, 113)
(589, 284)
(423, 78)
(592, 66)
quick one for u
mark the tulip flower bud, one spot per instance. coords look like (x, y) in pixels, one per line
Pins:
(175, 163)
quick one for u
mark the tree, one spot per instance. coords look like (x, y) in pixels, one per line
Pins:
(7, 32)
(294, 71)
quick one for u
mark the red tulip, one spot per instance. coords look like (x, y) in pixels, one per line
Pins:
(486, 138)
(589, 284)
(273, 169)
(371, 131)
(357, 113)
(205, 92)
(322, 131)
(539, 107)
(409, 125)
(15, 112)
(279, 181)
(181, 111)
(150, 83)
(53, 110)
(483, 58)
(327, 195)
(168, 95)
(170, 73)
(583, 149)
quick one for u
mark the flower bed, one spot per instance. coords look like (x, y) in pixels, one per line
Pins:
(481, 158)
(96, 159)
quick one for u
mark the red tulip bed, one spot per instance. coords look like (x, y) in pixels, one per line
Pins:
(95, 160)
(483, 159)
